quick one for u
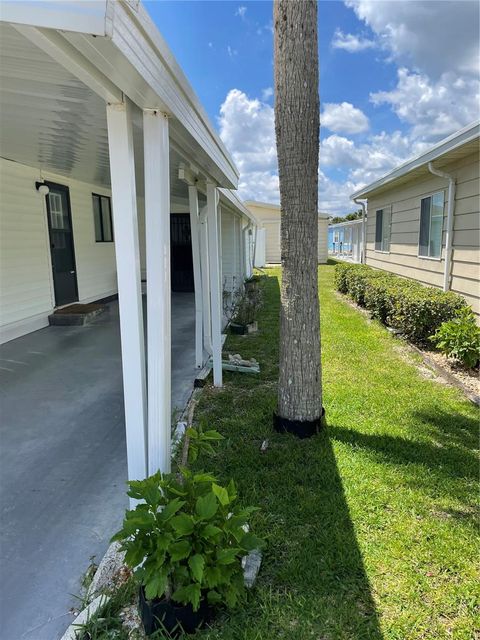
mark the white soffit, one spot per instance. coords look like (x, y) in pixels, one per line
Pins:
(131, 54)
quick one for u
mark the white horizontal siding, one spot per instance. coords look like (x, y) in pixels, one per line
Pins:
(26, 283)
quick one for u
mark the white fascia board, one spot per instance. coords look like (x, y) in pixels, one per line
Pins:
(136, 37)
(459, 138)
(232, 201)
(276, 207)
(81, 17)
(347, 223)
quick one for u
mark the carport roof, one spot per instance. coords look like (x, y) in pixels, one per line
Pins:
(61, 61)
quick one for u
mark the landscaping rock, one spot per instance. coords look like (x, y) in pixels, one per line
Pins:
(73, 630)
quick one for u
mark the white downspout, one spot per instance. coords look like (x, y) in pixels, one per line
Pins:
(450, 214)
(364, 230)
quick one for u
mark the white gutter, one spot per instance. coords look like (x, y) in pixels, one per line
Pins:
(450, 217)
(364, 230)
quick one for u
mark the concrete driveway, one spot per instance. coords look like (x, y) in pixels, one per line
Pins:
(63, 461)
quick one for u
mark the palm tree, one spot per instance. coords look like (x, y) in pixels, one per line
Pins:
(297, 127)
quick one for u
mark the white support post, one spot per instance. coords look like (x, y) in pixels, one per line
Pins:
(157, 226)
(215, 292)
(197, 276)
(122, 172)
(204, 266)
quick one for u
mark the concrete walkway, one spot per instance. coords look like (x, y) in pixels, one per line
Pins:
(63, 461)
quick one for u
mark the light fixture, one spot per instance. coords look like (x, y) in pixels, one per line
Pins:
(42, 188)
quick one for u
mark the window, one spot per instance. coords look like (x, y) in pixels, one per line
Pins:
(102, 218)
(383, 223)
(431, 226)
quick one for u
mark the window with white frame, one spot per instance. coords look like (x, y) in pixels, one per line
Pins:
(431, 225)
(102, 218)
(383, 225)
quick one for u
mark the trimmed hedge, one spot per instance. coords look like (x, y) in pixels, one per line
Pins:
(406, 305)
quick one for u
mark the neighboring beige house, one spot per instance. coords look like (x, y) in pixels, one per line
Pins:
(268, 241)
(423, 217)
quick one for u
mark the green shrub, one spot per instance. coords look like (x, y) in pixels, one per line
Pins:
(340, 276)
(415, 310)
(459, 338)
(420, 311)
(186, 539)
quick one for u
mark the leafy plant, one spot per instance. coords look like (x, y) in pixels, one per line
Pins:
(200, 442)
(242, 304)
(459, 338)
(186, 538)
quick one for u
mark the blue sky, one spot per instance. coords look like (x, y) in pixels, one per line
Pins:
(392, 82)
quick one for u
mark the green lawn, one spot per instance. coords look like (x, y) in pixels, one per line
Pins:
(371, 525)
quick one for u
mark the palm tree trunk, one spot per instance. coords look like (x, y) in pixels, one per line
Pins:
(297, 126)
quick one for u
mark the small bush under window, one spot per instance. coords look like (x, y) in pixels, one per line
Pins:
(406, 305)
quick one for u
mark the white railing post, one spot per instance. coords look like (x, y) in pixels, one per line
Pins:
(215, 291)
(204, 267)
(197, 276)
(157, 225)
(127, 253)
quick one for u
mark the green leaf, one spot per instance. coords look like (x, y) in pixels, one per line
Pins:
(179, 550)
(183, 524)
(212, 576)
(221, 494)
(206, 506)
(250, 542)
(214, 597)
(197, 564)
(212, 435)
(189, 594)
(156, 586)
(134, 555)
(227, 556)
(171, 509)
(210, 531)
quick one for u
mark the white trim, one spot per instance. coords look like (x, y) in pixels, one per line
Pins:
(159, 343)
(458, 139)
(215, 289)
(19, 328)
(197, 275)
(204, 269)
(127, 253)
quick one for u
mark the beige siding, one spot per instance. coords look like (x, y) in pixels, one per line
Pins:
(26, 284)
(403, 256)
(232, 269)
(269, 219)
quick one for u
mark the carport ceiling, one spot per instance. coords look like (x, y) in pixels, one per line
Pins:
(50, 120)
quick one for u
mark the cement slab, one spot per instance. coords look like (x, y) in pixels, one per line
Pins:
(63, 461)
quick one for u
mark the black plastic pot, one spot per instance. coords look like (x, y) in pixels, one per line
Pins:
(170, 616)
(238, 329)
(300, 428)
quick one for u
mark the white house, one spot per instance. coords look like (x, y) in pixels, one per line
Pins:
(105, 148)
(268, 233)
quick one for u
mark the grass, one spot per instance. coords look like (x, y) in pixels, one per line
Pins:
(370, 525)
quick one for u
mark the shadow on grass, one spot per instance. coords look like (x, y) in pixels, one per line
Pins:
(447, 455)
(313, 581)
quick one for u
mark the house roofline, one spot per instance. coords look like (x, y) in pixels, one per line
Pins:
(267, 205)
(457, 139)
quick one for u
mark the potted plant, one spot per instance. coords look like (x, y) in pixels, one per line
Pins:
(185, 541)
(246, 311)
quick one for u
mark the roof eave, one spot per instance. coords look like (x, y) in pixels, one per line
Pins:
(458, 139)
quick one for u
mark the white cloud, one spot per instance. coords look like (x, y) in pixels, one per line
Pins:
(231, 52)
(210, 44)
(267, 93)
(431, 35)
(351, 42)
(241, 11)
(343, 118)
(434, 109)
